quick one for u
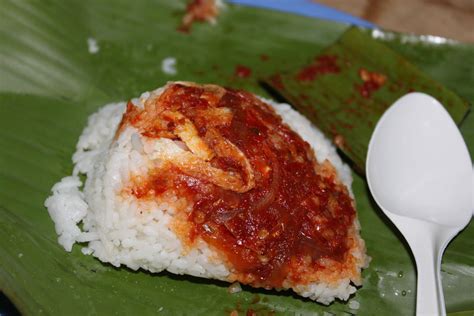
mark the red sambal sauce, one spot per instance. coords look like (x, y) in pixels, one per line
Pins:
(321, 65)
(242, 71)
(371, 82)
(292, 213)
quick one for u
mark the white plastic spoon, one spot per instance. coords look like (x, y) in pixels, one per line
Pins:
(420, 174)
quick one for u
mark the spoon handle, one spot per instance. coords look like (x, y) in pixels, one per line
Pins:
(429, 290)
(427, 242)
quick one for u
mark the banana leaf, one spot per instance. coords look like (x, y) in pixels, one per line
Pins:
(52, 77)
(349, 85)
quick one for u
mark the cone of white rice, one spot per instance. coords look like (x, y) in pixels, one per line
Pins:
(214, 183)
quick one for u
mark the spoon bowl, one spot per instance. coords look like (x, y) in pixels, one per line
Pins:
(420, 174)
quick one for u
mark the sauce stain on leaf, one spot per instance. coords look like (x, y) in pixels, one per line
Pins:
(277, 81)
(264, 57)
(242, 71)
(372, 81)
(322, 65)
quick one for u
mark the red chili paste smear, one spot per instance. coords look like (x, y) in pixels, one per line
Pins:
(242, 71)
(264, 57)
(372, 81)
(296, 212)
(198, 10)
(324, 64)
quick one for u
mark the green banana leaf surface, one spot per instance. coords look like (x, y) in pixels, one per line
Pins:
(345, 90)
(51, 80)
